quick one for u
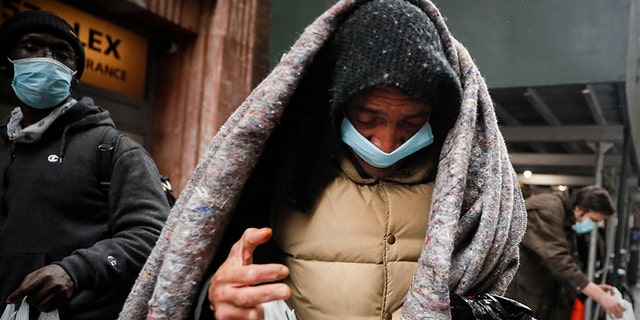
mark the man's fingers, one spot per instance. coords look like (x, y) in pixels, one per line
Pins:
(249, 297)
(242, 251)
(15, 297)
(607, 288)
(44, 303)
(251, 239)
(250, 275)
(616, 310)
(254, 313)
(25, 288)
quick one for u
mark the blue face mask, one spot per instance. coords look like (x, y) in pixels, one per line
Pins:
(583, 227)
(41, 83)
(378, 158)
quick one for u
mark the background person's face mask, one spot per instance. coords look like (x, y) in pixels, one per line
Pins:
(42, 82)
(378, 158)
(584, 226)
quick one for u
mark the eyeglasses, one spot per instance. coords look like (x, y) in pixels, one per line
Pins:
(30, 49)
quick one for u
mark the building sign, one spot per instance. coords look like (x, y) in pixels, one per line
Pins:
(116, 58)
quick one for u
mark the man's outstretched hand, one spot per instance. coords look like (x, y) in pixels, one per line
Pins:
(239, 287)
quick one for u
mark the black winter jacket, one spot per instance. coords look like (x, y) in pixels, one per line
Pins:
(53, 211)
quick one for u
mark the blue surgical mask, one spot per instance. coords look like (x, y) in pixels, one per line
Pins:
(584, 226)
(42, 82)
(378, 158)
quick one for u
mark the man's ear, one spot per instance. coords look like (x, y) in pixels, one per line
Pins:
(578, 211)
(74, 81)
(6, 68)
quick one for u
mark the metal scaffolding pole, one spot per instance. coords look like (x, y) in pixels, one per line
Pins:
(622, 217)
(593, 239)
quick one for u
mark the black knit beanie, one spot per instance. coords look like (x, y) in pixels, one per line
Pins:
(37, 21)
(391, 42)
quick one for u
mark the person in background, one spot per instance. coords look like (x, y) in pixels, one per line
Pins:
(65, 242)
(549, 277)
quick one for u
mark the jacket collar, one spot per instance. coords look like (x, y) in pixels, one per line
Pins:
(411, 172)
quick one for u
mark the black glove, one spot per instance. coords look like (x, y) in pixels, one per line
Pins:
(488, 307)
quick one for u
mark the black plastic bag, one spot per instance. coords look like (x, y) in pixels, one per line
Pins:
(488, 307)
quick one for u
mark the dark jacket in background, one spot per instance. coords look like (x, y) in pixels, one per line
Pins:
(53, 211)
(549, 277)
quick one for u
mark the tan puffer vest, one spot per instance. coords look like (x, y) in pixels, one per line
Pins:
(355, 254)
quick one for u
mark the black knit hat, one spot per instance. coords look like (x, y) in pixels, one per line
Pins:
(37, 21)
(391, 42)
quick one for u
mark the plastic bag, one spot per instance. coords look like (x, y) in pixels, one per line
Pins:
(488, 307)
(9, 312)
(22, 313)
(628, 314)
(277, 310)
(53, 315)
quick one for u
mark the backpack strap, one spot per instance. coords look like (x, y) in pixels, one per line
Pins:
(107, 144)
(106, 147)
